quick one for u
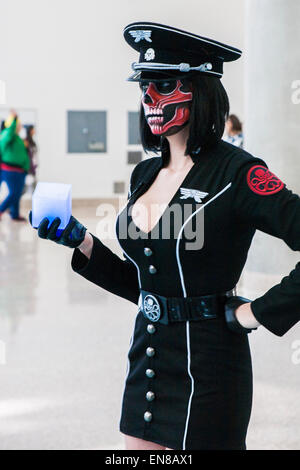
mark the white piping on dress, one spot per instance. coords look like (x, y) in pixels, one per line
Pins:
(188, 345)
(192, 381)
(181, 230)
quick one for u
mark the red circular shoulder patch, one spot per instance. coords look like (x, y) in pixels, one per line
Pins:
(262, 181)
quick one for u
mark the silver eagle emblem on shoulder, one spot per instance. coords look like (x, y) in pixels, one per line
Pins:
(141, 34)
(194, 193)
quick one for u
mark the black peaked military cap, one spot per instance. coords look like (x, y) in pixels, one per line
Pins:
(167, 51)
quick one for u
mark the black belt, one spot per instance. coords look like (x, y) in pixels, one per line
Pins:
(158, 308)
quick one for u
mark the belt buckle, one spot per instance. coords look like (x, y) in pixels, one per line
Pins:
(151, 308)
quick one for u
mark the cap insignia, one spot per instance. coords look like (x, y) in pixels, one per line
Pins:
(141, 34)
(149, 54)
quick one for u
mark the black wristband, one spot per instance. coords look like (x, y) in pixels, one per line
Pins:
(231, 304)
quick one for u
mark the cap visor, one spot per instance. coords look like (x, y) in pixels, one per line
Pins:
(158, 76)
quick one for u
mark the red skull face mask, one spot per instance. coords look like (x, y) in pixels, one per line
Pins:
(166, 104)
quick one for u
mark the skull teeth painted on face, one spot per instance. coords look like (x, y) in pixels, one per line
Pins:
(166, 105)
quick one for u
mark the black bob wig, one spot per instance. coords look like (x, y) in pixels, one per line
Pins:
(208, 112)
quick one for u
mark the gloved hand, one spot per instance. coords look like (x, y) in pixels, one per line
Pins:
(231, 304)
(72, 236)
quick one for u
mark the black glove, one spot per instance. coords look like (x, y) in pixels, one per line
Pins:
(231, 304)
(72, 236)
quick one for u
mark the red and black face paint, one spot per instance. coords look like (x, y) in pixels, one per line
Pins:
(166, 104)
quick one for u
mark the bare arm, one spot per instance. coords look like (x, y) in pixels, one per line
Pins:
(86, 246)
(245, 316)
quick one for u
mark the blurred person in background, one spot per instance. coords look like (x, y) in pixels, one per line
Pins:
(234, 131)
(14, 165)
(31, 148)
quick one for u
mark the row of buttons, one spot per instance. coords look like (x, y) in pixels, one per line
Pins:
(150, 373)
(148, 252)
(151, 329)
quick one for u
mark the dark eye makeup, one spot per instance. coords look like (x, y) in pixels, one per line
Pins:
(163, 87)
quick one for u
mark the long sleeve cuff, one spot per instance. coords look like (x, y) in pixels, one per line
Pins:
(278, 309)
(107, 270)
(83, 265)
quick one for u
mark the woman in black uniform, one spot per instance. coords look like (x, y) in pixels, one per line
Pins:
(189, 377)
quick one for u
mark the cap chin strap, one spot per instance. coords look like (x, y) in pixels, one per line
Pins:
(183, 67)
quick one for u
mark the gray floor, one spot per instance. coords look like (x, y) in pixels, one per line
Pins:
(66, 343)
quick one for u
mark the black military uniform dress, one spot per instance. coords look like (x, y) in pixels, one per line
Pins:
(189, 382)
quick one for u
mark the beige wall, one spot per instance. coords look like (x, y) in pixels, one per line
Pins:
(70, 54)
